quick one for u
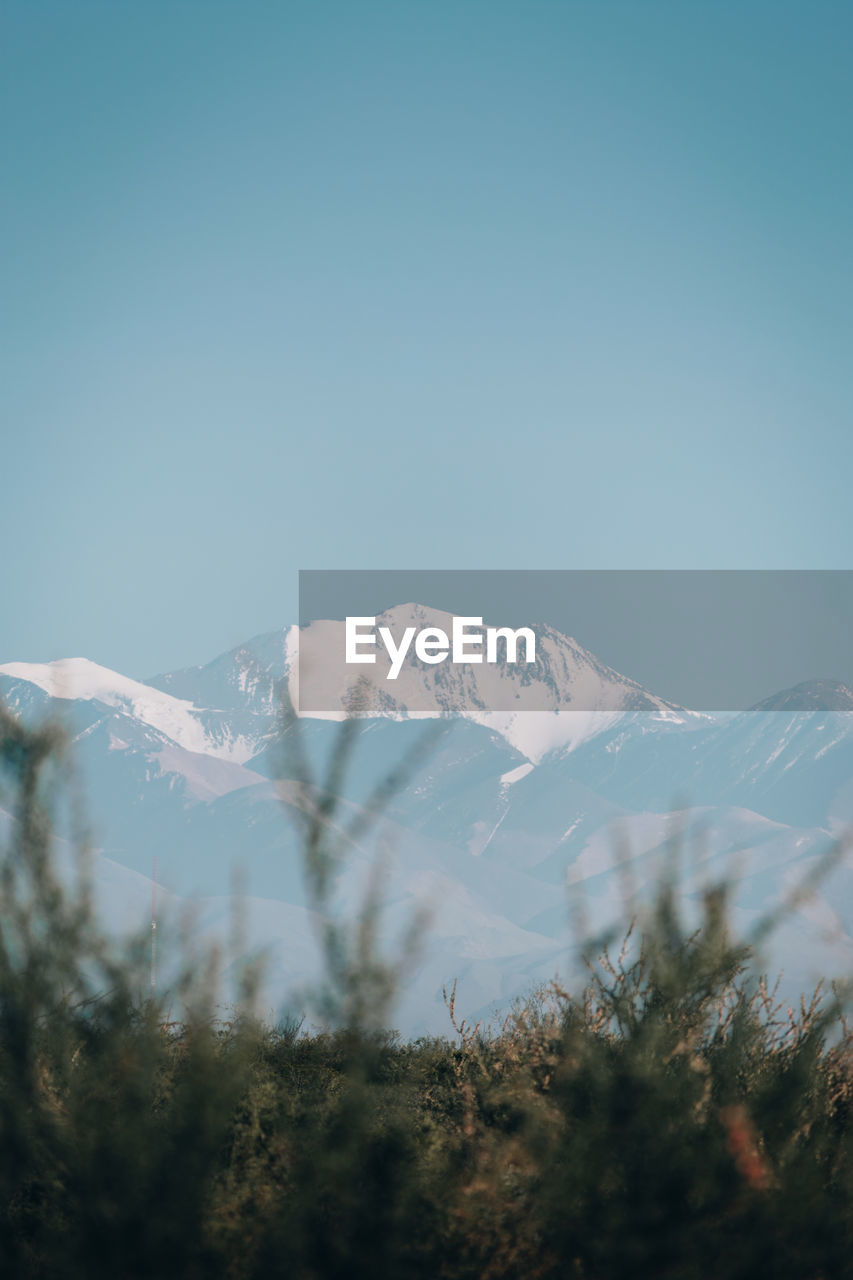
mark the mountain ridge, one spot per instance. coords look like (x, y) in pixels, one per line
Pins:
(507, 812)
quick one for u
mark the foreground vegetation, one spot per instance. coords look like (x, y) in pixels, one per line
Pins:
(668, 1121)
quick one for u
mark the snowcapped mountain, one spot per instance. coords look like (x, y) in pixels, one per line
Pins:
(579, 787)
(567, 698)
(77, 680)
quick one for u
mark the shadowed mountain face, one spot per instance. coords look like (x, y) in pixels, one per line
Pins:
(811, 695)
(495, 819)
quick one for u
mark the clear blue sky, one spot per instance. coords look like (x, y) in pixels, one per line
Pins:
(471, 284)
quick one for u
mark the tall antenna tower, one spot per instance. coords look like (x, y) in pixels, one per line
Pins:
(154, 927)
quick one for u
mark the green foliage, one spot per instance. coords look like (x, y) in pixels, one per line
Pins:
(670, 1120)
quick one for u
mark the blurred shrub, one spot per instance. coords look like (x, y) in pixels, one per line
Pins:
(668, 1121)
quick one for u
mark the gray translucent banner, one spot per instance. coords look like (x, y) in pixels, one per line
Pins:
(604, 640)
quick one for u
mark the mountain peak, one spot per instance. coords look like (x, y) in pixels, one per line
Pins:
(810, 695)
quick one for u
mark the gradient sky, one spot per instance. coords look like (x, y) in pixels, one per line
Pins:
(360, 285)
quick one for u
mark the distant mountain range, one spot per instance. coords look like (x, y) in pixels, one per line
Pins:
(510, 812)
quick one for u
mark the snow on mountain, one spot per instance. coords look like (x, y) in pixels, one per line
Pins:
(79, 680)
(793, 766)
